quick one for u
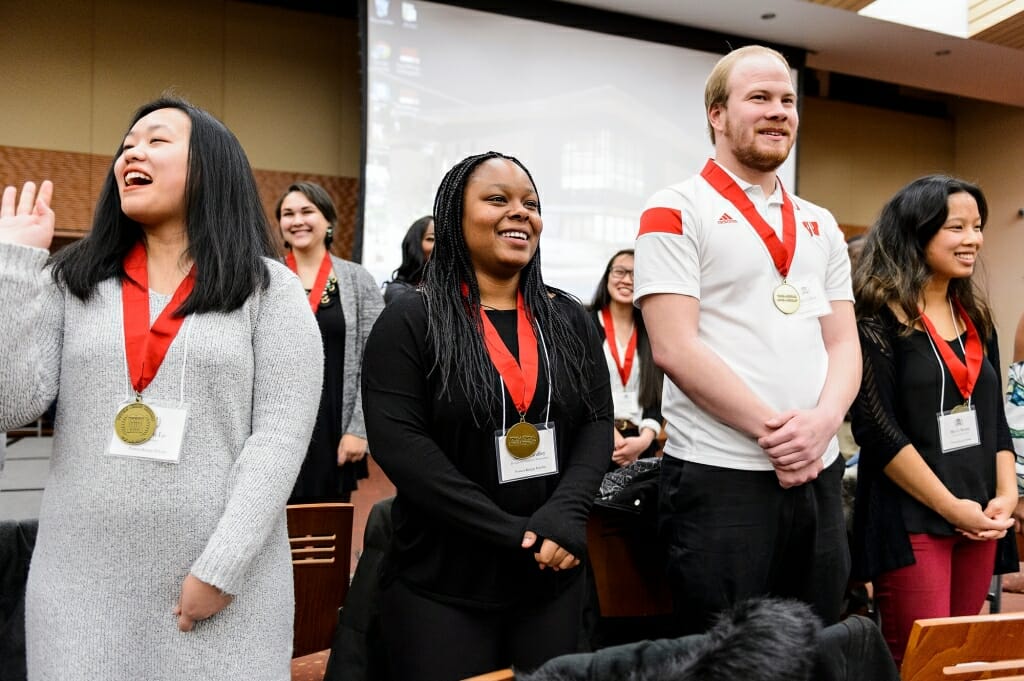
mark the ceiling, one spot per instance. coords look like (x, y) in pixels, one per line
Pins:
(842, 41)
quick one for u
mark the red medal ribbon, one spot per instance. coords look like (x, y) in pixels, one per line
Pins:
(781, 251)
(520, 377)
(609, 333)
(317, 292)
(965, 375)
(145, 347)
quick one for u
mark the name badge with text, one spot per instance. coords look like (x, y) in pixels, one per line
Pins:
(520, 466)
(813, 302)
(958, 428)
(165, 444)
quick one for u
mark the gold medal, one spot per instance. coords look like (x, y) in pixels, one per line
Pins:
(786, 298)
(135, 423)
(522, 440)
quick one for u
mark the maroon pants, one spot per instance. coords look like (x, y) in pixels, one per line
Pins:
(950, 578)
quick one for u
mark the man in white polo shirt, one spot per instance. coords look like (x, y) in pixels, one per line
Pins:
(745, 291)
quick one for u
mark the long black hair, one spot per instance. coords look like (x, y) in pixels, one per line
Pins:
(651, 377)
(454, 327)
(411, 269)
(226, 227)
(892, 271)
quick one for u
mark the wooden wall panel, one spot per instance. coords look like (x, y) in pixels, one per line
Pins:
(78, 177)
(344, 191)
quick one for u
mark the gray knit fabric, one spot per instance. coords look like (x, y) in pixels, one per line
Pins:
(361, 302)
(117, 536)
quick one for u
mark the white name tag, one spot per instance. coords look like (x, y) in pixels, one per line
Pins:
(165, 445)
(813, 302)
(958, 429)
(542, 462)
(626, 404)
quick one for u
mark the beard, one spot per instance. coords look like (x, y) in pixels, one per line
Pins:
(764, 161)
(750, 155)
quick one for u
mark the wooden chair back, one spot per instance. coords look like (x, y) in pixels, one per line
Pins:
(320, 536)
(965, 648)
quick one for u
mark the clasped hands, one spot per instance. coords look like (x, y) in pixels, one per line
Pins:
(626, 450)
(795, 443)
(981, 524)
(550, 555)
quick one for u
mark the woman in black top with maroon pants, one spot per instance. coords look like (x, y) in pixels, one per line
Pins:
(936, 483)
(487, 404)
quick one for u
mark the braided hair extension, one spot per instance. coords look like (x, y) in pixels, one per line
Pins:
(454, 327)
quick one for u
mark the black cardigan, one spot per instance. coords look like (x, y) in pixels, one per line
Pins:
(896, 406)
(457, 531)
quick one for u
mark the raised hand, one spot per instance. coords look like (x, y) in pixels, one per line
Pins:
(30, 220)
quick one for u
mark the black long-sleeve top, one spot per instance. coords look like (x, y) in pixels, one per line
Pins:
(457, 531)
(897, 405)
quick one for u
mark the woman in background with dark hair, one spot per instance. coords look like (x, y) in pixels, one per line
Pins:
(417, 245)
(936, 485)
(488, 406)
(163, 549)
(346, 302)
(635, 378)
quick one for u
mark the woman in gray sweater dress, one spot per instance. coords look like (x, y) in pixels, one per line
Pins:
(162, 550)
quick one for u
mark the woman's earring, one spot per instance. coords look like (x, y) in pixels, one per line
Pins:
(330, 232)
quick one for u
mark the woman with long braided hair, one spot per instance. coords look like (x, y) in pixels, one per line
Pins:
(487, 404)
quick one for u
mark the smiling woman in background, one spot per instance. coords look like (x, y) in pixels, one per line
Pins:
(635, 379)
(346, 302)
(169, 335)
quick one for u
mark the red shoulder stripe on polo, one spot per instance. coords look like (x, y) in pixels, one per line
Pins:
(661, 219)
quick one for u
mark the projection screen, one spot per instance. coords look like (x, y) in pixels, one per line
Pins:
(600, 120)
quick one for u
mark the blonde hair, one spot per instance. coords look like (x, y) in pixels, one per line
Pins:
(716, 90)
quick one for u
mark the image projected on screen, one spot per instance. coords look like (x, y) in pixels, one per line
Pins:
(601, 121)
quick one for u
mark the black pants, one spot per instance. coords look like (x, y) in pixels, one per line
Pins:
(732, 535)
(432, 641)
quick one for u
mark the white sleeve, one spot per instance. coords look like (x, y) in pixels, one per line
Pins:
(667, 252)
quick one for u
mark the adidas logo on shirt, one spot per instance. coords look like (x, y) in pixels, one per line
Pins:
(725, 219)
